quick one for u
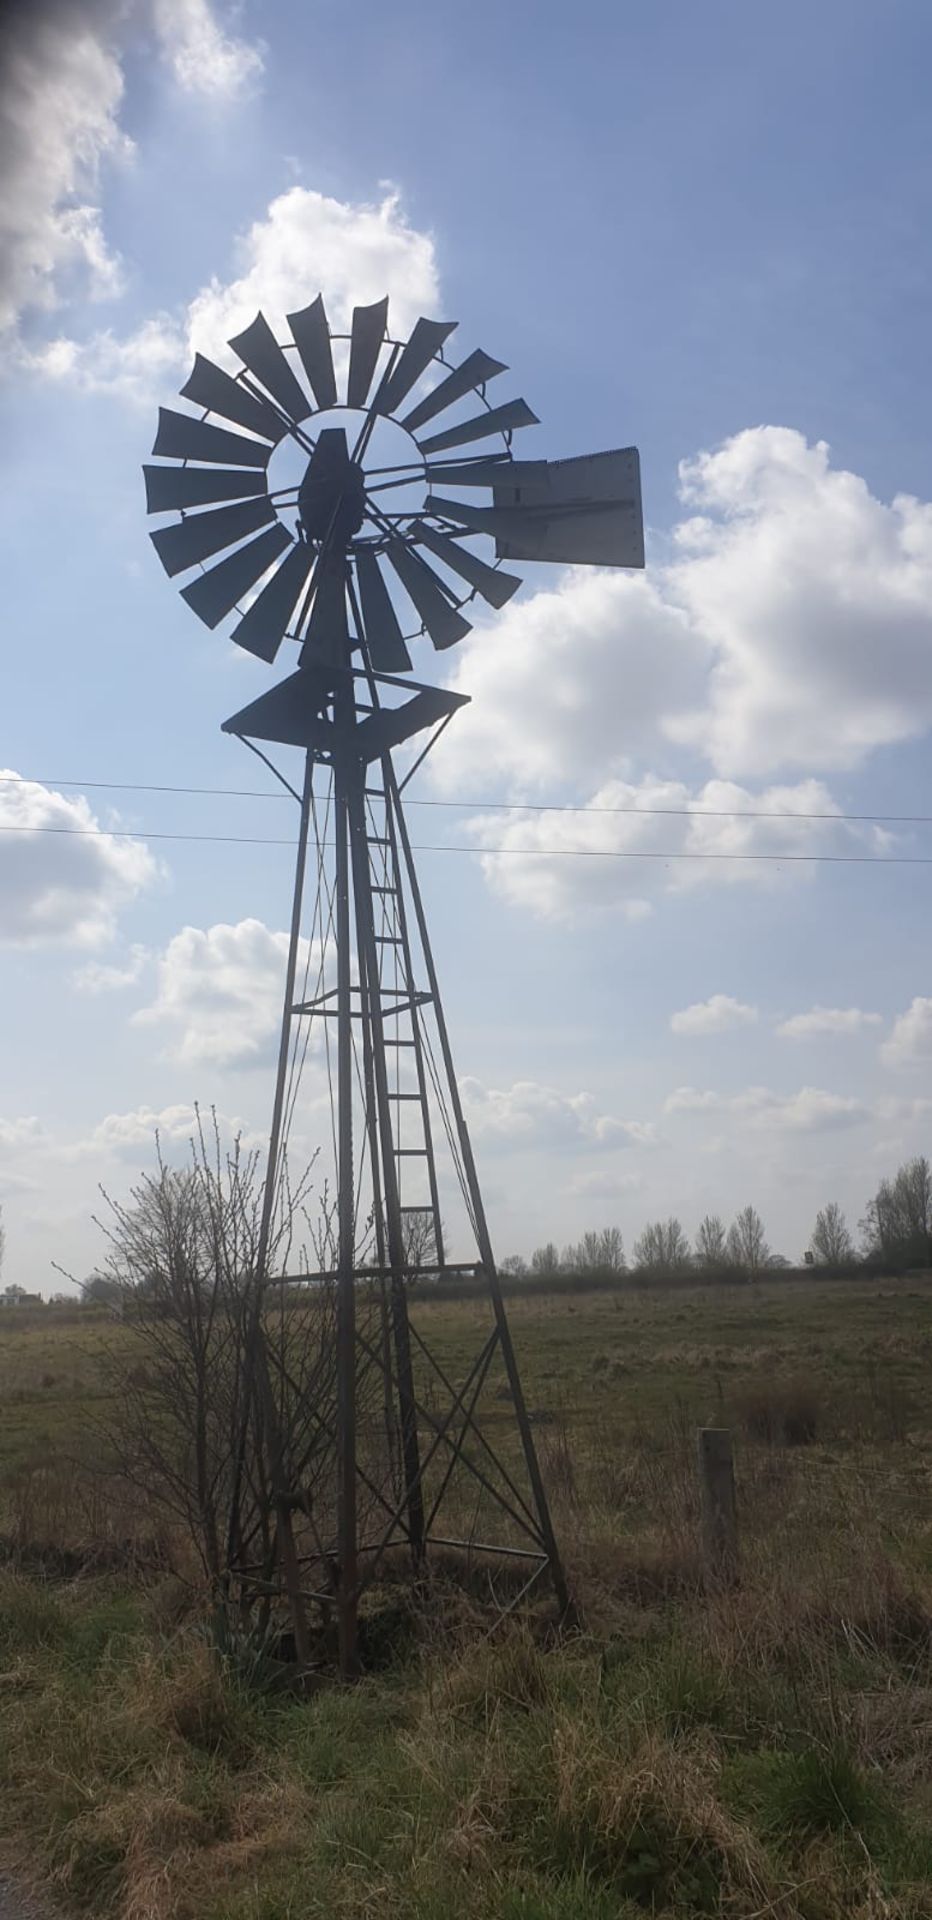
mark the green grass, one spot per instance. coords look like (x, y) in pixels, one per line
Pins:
(766, 1751)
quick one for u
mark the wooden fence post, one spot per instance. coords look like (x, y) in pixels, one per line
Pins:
(719, 1516)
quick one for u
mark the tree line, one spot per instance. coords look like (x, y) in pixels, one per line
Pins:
(895, 1232)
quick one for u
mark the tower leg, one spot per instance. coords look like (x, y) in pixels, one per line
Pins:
(547, 1536)
(347, 1546)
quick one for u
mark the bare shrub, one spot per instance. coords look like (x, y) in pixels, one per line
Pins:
(780, 1413)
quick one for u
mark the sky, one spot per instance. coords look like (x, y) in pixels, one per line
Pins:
(699, 230)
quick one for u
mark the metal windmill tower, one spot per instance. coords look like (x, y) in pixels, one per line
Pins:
(321, 499)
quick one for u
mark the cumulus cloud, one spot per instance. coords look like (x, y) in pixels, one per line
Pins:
(62, 880)
(559, 863)
(25, 1132)
(357, 251)
(61, 92)
(529, 1114)
(98, 977)
(121, 1135)
(61, 85)
(576, 676)
(716, 1015)
(815, 599)
(910, 1042)
(219, 993)
(810, 1110)
(205, 60)
(805, 1026)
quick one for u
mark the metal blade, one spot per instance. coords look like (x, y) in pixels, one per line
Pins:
(475, 370)
(387, 650)
(262, 627)
(171, 487)
(515, 529)
(327, 639)
(210, 387)
(214, 593)
(259, 350)
(367, 335)
(181, 438)
(588, 513)
(427, 338)
(311, 335)
(495, 587)
(487, 472)
(444, 624)
(206, 533)
(515, 413)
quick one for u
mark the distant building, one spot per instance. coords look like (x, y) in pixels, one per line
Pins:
(14, 1296)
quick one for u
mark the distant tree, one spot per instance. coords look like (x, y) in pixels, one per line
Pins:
(747, 1245)
(712, 1243)
(898, 1223)
(2, 1239)
(545, 1260)
(662, 1247)
(419, 1237)
(513, 1264)
(831, 1242)
(611, 1250)
(102, 1290)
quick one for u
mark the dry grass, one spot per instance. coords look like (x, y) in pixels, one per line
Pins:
(761, 1751)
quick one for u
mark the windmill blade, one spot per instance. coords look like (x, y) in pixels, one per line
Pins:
(427, 337)
(213, 594)
(196, 539)
(365, 341)
(514, 414)
(171, 487)
(181, 438)
(311, 335)
(384, 639)
(487, 472)
(263, 625)
(327, 639)
(495, 587)
(444, 624)
(208, 386)
(259, 350)
(589, 513)
(475, 370)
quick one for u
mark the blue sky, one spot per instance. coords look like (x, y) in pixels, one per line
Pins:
(700, 230)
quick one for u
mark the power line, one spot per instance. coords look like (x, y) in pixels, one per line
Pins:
(496, 806)
(550, 853)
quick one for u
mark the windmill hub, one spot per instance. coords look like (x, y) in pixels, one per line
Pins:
(332, 495)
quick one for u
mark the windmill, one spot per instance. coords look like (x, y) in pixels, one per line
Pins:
(346, 495)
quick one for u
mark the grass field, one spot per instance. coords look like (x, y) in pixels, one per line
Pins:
(763, 1750)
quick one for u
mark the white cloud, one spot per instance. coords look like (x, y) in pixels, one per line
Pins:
(716, 1015)
(577, 676)
(121, 1135)
(219, 993)
(64, 884)
(803, 1026)
(356, 252)
(205, 60)
(815, 599)
(572, 859)
(810, 1110)
(96, 977)
(528, 1114)
(910, 1042)
(606, 1183)
(60, 90)
(26, 1132)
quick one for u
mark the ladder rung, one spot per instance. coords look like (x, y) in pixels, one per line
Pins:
(412, 1153)
(389, 939)
(383, 889)
(376, 840)
(404, 1096)
(390, 1040)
